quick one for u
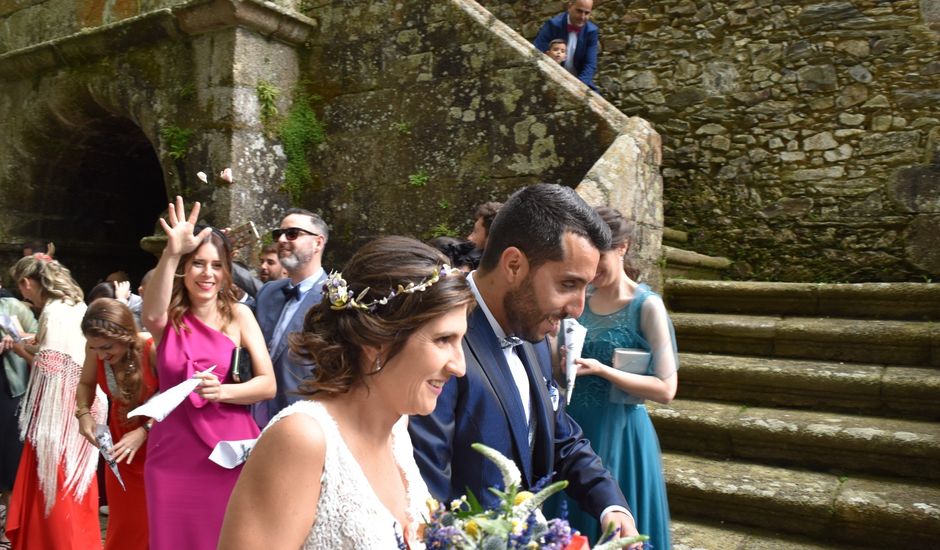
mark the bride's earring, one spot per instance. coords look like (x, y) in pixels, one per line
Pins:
(378, 364)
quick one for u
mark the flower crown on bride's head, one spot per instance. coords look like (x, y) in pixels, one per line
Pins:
(341, 297)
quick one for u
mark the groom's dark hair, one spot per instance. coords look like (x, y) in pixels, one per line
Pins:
(535, 220)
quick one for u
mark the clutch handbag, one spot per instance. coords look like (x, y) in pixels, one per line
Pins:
(241, 366)
(632, 360)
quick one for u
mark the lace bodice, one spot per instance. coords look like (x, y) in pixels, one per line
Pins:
(349, 514)
(627, 327)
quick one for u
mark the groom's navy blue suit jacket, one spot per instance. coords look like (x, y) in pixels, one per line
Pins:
(484, 407)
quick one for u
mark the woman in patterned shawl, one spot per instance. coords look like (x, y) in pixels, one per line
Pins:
(55, 497)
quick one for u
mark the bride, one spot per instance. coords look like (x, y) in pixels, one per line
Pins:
(336, 470)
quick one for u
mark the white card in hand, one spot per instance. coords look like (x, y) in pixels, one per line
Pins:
(229, 454)
(574, 342)
(162, 404)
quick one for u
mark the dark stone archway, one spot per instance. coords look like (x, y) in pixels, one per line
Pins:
(102, 194)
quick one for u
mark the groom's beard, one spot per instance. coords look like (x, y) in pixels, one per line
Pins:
(523, 314)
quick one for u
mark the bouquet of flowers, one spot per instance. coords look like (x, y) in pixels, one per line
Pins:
(517, 523)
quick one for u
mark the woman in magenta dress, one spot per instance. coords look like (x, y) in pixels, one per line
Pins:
(194, 318)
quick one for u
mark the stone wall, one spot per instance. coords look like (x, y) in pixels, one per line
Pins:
(428, 109)
(434, 107)
(801, 138)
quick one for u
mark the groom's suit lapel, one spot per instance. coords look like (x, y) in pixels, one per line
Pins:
(485, 347)
(542, 452)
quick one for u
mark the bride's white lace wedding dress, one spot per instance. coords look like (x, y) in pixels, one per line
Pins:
(349, 514)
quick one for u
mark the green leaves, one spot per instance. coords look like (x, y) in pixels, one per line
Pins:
(267, 100)
(419, 179)
(176, 140)
(300, 132)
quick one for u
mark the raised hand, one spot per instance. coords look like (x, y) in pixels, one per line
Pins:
(122, 291)
(179, 231)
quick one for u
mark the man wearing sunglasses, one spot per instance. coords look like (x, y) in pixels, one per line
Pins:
(281, 305)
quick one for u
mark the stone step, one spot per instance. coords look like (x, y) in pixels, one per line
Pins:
(675, 237)
(856, 387)
(692, 265)
(825, 507)
(811, 439)
(869, 341)
(914, 301)
(694, 534)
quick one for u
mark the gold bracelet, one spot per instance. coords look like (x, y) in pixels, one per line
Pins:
(82, 410)
(79, 415)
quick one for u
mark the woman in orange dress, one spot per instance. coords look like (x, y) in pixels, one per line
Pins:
(122, 361)
(55, 495)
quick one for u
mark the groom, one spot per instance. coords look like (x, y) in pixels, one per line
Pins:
(542, 251)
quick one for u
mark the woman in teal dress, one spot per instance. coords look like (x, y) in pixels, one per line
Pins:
(608, 403)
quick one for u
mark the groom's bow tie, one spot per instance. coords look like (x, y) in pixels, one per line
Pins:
(510, 342)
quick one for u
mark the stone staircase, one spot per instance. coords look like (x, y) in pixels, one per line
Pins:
(808, 415)
(685, 264)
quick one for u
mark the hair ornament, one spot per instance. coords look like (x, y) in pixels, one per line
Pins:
(340, 297)
(43, 257)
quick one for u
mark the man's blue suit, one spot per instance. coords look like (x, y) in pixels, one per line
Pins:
(287, 371)
(585, 54)
(484, 406)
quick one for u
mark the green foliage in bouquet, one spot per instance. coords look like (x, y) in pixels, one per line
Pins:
(517, 523)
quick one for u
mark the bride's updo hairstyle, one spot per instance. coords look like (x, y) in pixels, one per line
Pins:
(336, 330)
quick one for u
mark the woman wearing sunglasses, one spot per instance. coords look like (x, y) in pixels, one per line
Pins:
(191, 312)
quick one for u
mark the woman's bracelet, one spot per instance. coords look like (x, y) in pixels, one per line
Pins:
(146, 426)
(82, 410)
(81, 414)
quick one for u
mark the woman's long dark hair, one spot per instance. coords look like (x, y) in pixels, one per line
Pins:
(179, 298)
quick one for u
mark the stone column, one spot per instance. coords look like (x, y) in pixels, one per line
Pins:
(627, 178)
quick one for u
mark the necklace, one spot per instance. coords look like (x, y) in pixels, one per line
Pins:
(114, 387)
